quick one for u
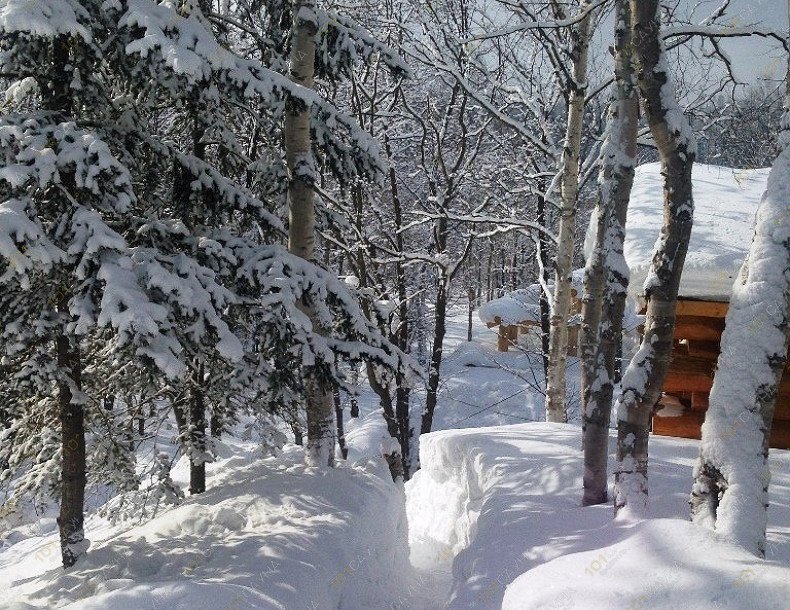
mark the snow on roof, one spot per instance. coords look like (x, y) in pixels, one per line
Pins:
(523, 304)
(725, 204)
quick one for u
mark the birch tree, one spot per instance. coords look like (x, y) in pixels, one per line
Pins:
(644, 377)
(731, 477)
(569, 192)
(301, 227)
(606, 273)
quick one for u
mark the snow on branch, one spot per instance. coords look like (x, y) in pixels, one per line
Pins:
(188, 48)
(725, 32)
(44, 19)
(542, 25)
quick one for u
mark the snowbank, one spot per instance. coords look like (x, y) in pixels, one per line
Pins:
(664, 564)
(506, 500)
(725, 202)
(521, 305)
(273, 534)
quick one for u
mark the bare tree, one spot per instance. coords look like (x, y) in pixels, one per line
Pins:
(569, 190)
(644, 377)
(606, 277)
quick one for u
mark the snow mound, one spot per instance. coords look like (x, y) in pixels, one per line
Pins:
(471, 354)
(725, 204)
(274, 534)
(512, 308)
(523, 304)
(664, 564)
(505, 500)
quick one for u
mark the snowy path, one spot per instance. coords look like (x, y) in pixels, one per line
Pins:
(506, 500)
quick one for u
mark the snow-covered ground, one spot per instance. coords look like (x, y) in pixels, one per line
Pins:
(507, 501)
(269, 533)
(493, 515)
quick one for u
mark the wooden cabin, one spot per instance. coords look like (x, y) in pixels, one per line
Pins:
(517, 313)
(725, 204)
(695, 352)
(507, 334)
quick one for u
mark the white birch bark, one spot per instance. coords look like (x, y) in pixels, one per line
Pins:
(301, 231)
(645, 375)
(569, 189)
(606, 274)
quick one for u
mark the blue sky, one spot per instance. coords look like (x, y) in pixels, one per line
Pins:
(756, 58)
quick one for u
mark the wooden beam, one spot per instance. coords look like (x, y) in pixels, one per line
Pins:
(503, 341)
(699, 328)
(782, 409)
(687, 425)
(700, 401)
(704, 349)
(707, 309)
(687, 382)
(780, 435)
(689, 374)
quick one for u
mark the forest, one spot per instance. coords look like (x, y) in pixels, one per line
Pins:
(403, 304)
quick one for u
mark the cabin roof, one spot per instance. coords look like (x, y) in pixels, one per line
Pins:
(725, 204)
(523, 304)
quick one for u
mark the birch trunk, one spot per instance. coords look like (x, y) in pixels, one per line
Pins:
(301, 229)
(569, 189)
(542, 243)
(645, 375)
(607, 272)
(731, 478)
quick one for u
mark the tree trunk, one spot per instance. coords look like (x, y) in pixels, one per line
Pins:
(569, 187)
(604, 302)
(644, 378)
(436, 353)
(71, 518)
(353, 397)
(542, 244)
(402, 392)
(490, 271)
(341, 435)
(301, 229)
(197, 432)
(470, 294)
(731, 478)
(215, 424)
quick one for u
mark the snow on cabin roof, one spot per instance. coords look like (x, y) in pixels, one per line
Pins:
(725, 204)
(523, 304)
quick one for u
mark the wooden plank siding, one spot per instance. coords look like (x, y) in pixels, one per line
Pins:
(697, 341)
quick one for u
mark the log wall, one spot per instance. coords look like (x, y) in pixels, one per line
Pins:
(696, 349)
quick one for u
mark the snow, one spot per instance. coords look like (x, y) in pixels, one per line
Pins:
(754, 343)
(523, 304)
(45, 18)
(269, 533)
(505, 501)
(725, 204)
(493, 514)
(663, 564)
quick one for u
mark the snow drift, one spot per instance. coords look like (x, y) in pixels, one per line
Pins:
(274, 534)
